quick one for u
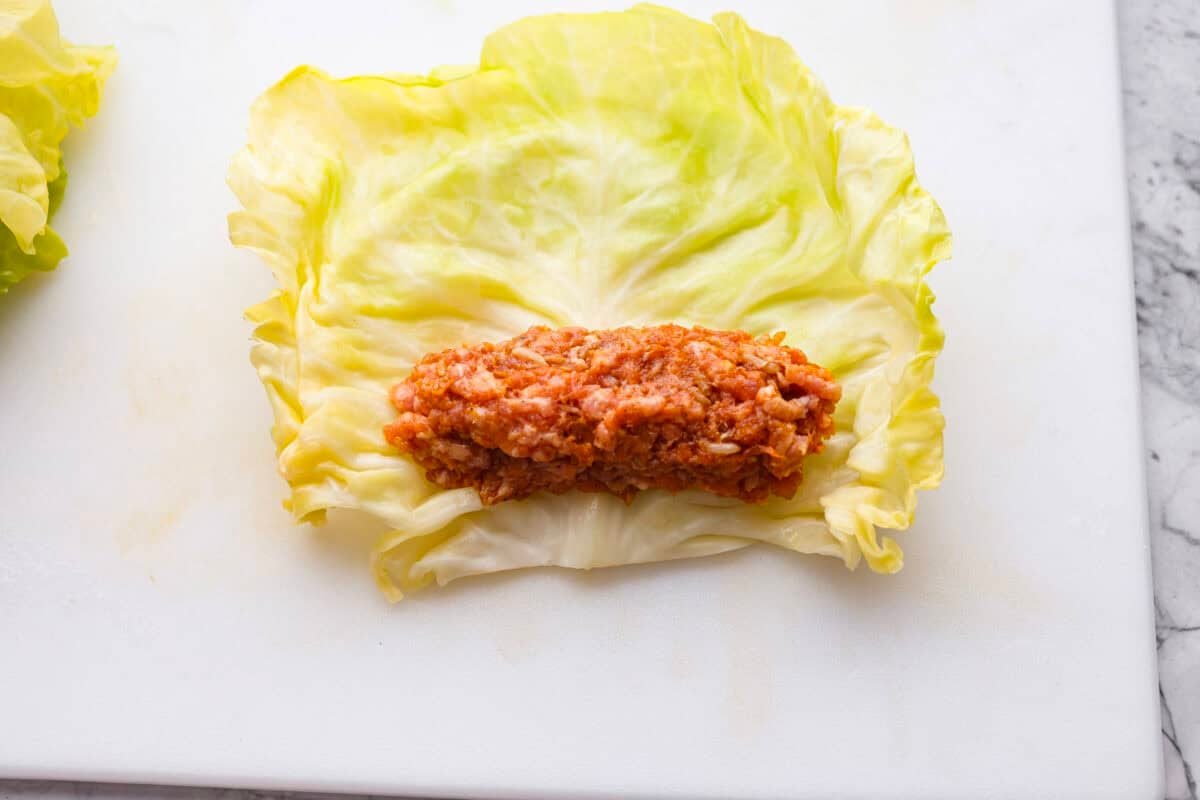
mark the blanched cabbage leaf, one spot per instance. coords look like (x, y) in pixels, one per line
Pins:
(46, 85)
(597, 170)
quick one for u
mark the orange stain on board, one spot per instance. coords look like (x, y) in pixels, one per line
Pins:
(145, 528)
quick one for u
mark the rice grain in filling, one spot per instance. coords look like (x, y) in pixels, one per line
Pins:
(617, 411)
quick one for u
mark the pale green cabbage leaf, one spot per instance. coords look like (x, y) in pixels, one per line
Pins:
(46, 86)
(599, 170)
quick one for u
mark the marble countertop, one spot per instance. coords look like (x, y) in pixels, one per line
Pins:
(1160, 45)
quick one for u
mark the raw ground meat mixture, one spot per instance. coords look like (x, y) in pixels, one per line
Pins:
(616, 411)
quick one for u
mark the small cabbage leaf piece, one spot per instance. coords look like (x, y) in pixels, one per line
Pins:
(597, 170)
(46, 86)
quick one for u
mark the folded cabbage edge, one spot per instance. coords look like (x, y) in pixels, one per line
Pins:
(327, 435)
(48, 248)
(47, 85)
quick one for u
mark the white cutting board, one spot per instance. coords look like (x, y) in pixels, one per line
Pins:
(162, 620)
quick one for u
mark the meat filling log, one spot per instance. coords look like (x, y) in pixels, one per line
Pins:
(663, 407)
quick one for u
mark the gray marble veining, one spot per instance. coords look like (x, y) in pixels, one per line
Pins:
(1160, 44)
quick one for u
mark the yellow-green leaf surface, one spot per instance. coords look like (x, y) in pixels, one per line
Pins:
(598, 170)
(46, 86)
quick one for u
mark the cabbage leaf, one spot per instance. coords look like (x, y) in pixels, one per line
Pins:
(598, 170)
(46, 86)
